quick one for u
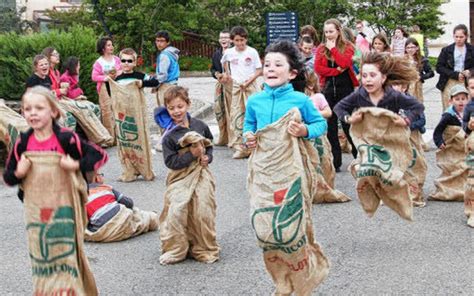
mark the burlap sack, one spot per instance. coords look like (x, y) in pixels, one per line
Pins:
(85, 114)
(322, 160)
(107, 114)
(417, 169)
(11, 124)
(384, 155)
(416, 89)
(67, 119)
(469, 188)
(346, 147)
(125, 224)
(55, 218)
(160, 93)
(281, 183)
(445, 93)
(237, 113)
(130, 115)
(187, 223)
(222, 102)
(452, 162)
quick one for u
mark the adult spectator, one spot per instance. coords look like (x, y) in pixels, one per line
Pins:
(362, 42)
(455, 63)
(337, 78)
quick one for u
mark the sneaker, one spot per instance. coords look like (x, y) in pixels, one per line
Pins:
(338, 170)
(238, 154)
(470, 221)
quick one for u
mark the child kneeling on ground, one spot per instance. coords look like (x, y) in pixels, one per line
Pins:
(112, 215)
(187, 223)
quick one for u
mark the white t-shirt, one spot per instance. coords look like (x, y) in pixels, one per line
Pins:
(243, 64)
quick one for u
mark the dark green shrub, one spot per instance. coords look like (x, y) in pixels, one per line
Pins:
(18, 51)
(194, 63)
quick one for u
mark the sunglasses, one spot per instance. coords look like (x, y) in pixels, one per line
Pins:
(127, 61)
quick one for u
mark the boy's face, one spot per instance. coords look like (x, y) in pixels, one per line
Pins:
(224, 40)
(239, 42)
(470, 88)
(161, 43)
(276, 70)
(128, 63)
(459, 101)
(307, 48)
(177, 108)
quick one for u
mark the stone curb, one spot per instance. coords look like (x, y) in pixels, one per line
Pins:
(188, 74)
(205, 111)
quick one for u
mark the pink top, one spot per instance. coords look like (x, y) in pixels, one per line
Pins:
(362, 44)
(74, 90)
(319, 101)
(101, 68)
(51, 144)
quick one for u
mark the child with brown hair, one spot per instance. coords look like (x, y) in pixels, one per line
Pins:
(187, 222)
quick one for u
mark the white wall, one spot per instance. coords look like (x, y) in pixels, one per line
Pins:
(32, 5)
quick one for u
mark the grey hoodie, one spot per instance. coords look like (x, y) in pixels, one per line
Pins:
(164, 63)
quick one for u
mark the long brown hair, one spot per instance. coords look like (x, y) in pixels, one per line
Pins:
(341, 41)
(418, 58)
(398, 70)
(383, 38)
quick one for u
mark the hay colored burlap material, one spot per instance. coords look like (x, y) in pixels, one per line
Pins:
(160, 93)
(187, 222)
(55, 219)
(85, 113)
(384, 155)
(416, 89)
(469, 187)
(106, 112)
(134, 150)
(222, 103)
(343, 141)
(452, 162)
(281, 184)
(326, 173)
(11, 125)
(417, 169)
(125, 224)
(237, 113)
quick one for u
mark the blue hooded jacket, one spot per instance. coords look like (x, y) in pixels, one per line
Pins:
(271, 104)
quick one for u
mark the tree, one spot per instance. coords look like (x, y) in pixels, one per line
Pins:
(11, 21)
(386, 15)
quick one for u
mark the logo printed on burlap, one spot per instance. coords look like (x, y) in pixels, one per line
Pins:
(128, 130)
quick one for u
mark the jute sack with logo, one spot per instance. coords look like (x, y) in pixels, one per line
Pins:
(326, 173)
(469, 188)
(237, 112)
(125, 224)
(281, 183)
(11, 124)
(452, 162)
(106, 112)
(55, 219)
(384, 155)
(67, 119)
(84, 113)
(132, 133)
(222, 102)
(346, 147)
(187, 222)
(417, 169)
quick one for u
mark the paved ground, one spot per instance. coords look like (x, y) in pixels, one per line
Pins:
(383, 255)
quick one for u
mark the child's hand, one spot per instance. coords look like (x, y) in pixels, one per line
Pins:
(68, 163)
(330, 44)
(297, 129)
(244, 86)
(251, 142)
(399, 121)
(139, 83)
(461, 77)
(63, 91)
(442, 146)
(355, 117)
(197, 149)
(22, 167)
(204, 160)
(470, 125)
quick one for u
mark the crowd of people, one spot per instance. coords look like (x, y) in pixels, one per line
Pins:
(312, 89)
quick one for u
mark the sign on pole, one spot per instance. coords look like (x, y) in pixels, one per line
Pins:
(281, 25)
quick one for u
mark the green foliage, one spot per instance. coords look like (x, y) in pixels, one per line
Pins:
(17, 53)
(407, 13)
(194, 64)
(11, 21)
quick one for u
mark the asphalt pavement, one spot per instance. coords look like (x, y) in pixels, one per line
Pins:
(383, 255)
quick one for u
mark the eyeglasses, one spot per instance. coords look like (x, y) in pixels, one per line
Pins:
(55, 54)
(127, 61)
(411, 47)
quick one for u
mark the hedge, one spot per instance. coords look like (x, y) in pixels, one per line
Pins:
(17, 53)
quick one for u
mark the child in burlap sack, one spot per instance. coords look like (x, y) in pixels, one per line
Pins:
(58, 214)
(450, 139)
(290, 273)
(112, 216)
(468, 116)
(468, 126)
(187, 223)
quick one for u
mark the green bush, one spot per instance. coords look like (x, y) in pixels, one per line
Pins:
(194, 63)
(17, 53)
